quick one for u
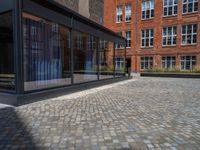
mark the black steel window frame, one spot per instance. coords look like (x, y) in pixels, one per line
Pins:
(53, 11)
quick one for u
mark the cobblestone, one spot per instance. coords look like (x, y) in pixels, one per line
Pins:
(139, 114)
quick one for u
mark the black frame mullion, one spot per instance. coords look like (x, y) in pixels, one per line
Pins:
(18, 47)
(97, 56)
(114, 63)
(72, 54)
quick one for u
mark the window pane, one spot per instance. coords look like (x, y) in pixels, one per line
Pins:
(106, 57)
(7, 75)
(85, 58)
(184, 8)
(46, 54)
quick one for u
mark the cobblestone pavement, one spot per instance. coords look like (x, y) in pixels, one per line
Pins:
(146, 113)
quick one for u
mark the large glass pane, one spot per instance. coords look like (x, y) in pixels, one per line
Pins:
(120, 62)
(85, 58)
(7, 75)
(46, 53)
(106, 58)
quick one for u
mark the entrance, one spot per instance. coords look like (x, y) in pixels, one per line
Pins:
(128, 65)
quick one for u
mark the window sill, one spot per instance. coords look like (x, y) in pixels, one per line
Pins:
(146, 20)
(169, 17)
(118, 22)
(168, 46)
(185, 45)
(190, 14)
(146, 47)
(128, 22)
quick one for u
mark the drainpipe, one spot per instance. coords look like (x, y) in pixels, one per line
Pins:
(137, 31)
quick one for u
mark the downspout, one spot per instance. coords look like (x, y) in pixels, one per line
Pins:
(137, 40)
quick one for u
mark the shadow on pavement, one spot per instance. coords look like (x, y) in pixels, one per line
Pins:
(13, 133)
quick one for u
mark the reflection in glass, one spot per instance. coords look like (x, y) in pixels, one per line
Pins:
(7, 75)
(106, 53)
(85, 58)
(46, 53)
(120, 62)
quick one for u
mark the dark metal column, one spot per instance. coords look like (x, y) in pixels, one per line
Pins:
(72, 50)
(98, 61)
(114, 63)
(125, 60)
(18, 46)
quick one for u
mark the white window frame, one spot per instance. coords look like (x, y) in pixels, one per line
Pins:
(121, 61)
(187, 3)
(128, 39)
(119, 14)
(128, 13)
(91, 44)
(102, 44)
(165, 62)
(192, 34)
(145, 38)
(149, 61)
(148, 5)
(173, 5)
(172, 35)
(184, 61)
(33, 30)
(79, 42)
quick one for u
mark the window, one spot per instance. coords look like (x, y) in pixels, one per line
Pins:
(188, 62)
(128, 12)
(190, 6)
(170, 7)
(47, 58)
(128, 38)
(119, 64)
(146, 63)
(119, 14)
(168, 62)
(189, 34)
(33, 30)
(147, 38)
(79, 42)
(106, 59)
(119, 46)
(102, 44)
(147, 9)
(169, 36)
(7, 73)
(91, 43)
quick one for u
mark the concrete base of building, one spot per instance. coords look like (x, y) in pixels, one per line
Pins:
(17, 100)
(170, 75)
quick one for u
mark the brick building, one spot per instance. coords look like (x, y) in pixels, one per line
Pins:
(92, 9)
(160, 33)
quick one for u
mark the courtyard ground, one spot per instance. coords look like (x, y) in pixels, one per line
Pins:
(139, 114)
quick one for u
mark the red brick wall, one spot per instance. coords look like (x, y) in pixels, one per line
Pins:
(157, 23)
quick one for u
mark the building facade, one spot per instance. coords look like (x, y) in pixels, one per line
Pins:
(50, 50)
(92, 9)
(162, 34)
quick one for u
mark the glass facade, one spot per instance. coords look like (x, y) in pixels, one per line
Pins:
(47, 58)
(106, 60)
(47, 55)
(85, 57)
(46, 49)
(7, 74)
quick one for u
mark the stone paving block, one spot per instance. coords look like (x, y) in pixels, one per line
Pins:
(139, 114)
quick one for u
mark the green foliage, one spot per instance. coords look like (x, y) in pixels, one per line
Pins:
(195, 69)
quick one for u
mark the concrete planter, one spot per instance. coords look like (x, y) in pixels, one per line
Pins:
(170, 75)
